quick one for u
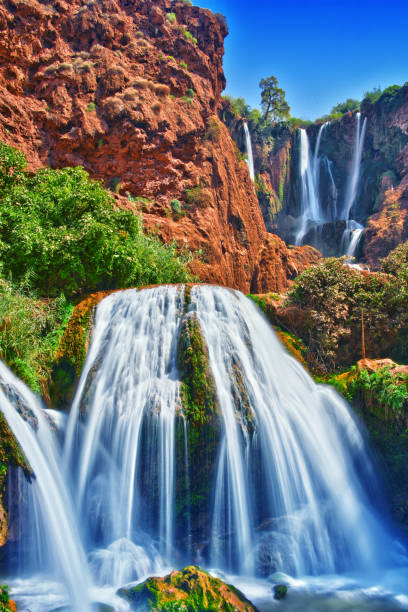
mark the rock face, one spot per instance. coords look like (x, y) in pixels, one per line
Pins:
(278, 265)
(189, 589)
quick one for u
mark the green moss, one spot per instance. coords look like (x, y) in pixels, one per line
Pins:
(188, 590)
(198, 393)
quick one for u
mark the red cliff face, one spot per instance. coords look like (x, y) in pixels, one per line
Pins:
(130, 89)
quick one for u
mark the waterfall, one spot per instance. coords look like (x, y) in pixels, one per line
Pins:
(250, 159)
(312, 212)
(291, 487)
(352, 183)
(58, 550)
(351, 238)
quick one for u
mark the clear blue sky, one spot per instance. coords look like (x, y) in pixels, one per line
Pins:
(321, 51)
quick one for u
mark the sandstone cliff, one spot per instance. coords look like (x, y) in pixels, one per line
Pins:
(130, 90)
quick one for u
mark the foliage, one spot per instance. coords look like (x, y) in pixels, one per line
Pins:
(299, 123)
(4, 599)
(175, 206)
(13, 165)
(187, 2)
(344, 107)
(372, 96)
(189, 36)
(183, 65)
(198, 195)
(197, 391)
(172, 17)
(30, 330)
(91, 107)
(273, 100)
(61, 232)
(396, 262)
(213, 132)
(332, 298)
(239, 106)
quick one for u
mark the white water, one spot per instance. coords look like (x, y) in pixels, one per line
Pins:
(312, 212)
(56, 533)
(250, 158)
(315, 212)
(354, 175)
(294, 486)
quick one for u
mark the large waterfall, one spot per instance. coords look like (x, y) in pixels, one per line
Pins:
(291, 486)
(316, 211)
(250, 159)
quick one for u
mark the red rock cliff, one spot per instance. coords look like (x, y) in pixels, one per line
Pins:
(130, 89)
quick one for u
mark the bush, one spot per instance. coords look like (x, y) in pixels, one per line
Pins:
(30, 330)
(172, 17)
(184, 65)
(213, 132)
(189, 36)
(344, 107)
(198, 195)
(332, 298)
(175, 206)
(61, 230)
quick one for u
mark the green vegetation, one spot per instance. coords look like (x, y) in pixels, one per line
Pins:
(273, 101)
(349, 105)
(91, 107)
(189, 590)
(183, 65)
(213, 132)
(198, 393)
(62, 237)
(334, 298)
(4, 599)
(189, 36)
(187, 2)
(30, 331)
(172, 17)
(198, 195)
(60, 232)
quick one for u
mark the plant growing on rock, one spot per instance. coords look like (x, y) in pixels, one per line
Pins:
(64, 229)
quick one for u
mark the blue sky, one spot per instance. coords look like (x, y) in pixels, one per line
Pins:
(321, 51)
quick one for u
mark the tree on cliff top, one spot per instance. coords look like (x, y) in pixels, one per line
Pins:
(273, 101)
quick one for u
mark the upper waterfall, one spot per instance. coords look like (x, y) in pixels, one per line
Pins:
(250, 159)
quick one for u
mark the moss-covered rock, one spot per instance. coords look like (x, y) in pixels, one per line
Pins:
(188, 590)
(198, 394)
(72, 350)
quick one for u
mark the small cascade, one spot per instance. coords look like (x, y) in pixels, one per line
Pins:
(49, 526)
(353, 179)
(312, 213)
(351, 238)
(250, 158)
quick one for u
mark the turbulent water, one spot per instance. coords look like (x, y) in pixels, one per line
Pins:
(292, 488)
(250, 159)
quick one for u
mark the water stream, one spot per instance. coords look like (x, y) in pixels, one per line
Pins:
(250, 158)
(292, 488)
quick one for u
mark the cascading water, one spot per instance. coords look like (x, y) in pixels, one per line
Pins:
(318, 207)
(57, 550)
(292, 488)
(352, 183)
(312, 212)
(250, 158)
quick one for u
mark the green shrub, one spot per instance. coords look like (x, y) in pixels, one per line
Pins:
(187, 2)
(183, 65)
(91, 107)
(213, 132)
(176, 206)
(198, 195)
(332, 298)
(172, 17)
(63, 230)
(190, 93)
(189, 36)
(30, 330)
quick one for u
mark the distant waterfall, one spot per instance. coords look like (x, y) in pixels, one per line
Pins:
(318, 210)
(312, 212)
(353, 179)
(291, 484)
(250, 159)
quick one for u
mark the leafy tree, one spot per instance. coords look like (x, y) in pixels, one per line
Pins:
(63, 233)
(344, 107)
(273, 101)
(239, 106)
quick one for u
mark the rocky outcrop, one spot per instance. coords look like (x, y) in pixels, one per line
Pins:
(188, 589)
(131, 92)
(278, 265)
